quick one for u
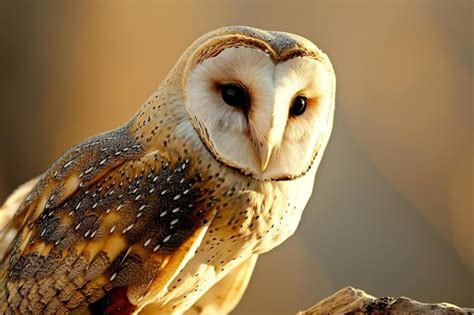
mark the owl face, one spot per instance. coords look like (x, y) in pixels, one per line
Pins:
(263, 112)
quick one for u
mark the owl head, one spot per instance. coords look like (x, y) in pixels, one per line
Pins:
(261, 102)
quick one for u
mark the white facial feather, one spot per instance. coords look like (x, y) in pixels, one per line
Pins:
(236, 137)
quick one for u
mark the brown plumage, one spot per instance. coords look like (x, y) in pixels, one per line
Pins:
(151, 216)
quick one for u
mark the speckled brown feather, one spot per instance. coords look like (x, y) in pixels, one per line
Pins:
(119, 229)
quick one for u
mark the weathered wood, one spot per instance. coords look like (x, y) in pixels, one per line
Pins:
(356, 301)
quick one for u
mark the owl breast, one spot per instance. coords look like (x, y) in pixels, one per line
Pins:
(251, 218)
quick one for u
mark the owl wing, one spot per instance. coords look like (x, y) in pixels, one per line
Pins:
(224, 296)
(104, 231)
(8, 210)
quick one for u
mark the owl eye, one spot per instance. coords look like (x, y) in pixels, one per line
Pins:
(298, 106)
(235, 95)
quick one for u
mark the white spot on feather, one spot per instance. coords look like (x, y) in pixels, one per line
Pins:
(128, 228)
(113, 276)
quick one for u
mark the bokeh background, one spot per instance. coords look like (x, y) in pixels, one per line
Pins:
(392, 209)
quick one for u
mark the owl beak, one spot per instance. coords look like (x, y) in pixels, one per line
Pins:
(265, 155)
(266, 151)
(269, 134)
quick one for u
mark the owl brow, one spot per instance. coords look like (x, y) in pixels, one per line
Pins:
(297, 52)
(213, 50)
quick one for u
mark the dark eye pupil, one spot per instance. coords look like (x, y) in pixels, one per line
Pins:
(298, 106)
(235, 95)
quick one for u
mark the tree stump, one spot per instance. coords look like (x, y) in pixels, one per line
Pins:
(355, 301)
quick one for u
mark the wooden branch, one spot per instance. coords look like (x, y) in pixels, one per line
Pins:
(356, 301)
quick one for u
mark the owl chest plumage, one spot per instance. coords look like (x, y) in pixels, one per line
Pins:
(245, 223)
(250, 218)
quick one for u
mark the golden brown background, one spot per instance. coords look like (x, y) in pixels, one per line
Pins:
(392, 210)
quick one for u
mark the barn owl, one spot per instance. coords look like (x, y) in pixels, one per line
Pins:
(168, 213)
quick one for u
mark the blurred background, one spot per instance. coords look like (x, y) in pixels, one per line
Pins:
(392, 209)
